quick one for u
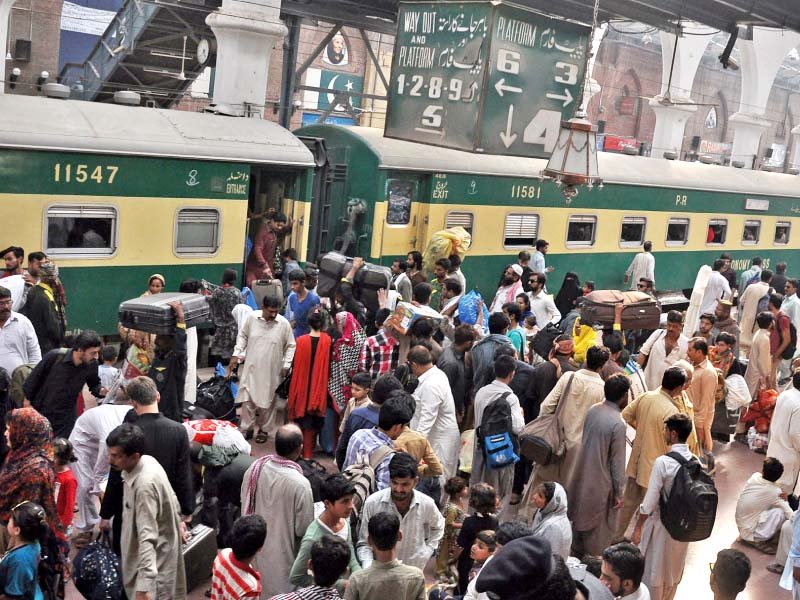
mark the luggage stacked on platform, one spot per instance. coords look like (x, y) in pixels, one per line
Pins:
(369, 279)
(639, 310)
(154, 314)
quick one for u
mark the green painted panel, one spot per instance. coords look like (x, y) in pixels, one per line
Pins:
(94, 293)
(484, 76)
(61, 173)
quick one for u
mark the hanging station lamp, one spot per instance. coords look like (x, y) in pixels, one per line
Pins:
(574, 160)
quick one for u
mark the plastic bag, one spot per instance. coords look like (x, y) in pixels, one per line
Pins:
(465, 454)
(738, 395)
(455, 240)
(468, 308)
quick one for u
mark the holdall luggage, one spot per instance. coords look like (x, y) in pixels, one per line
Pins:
(369, 279)
(215, 396)
(154, 315)
(263, 288)
(332, 267)
(198, 555)
(192, 412)
(97, 572)
(639, 310)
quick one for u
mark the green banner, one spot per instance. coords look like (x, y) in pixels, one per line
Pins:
(484, 77)
(57, 173)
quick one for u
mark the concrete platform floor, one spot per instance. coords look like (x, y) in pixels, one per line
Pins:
(735, 463)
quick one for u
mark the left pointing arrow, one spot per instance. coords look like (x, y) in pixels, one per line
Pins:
(501, 87)
(566, 97)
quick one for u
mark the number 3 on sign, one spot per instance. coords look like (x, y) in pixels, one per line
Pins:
(543, 129)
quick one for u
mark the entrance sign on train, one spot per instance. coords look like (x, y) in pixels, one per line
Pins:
(484, 77)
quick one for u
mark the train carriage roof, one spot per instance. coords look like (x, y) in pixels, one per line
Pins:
(614, 168)
(38, 123)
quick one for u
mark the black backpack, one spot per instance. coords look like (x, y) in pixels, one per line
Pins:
(316, 474)
(496, 436)
(689, 511)
(789, 351)
(543, 341)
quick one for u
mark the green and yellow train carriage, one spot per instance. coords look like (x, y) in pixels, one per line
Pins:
(115, 194)
(690, 211)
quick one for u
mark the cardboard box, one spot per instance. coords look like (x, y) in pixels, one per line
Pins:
(405, 314)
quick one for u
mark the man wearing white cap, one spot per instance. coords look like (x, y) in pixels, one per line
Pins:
(510, 286)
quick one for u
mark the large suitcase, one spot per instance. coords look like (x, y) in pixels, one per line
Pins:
(154, 315)
(198, 556)
(369, 279)
(639, 311)
(332, 267)
(263, 288)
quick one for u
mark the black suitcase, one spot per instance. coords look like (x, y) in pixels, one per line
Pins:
(192, 412)
(332, 267)
(154, 315)
(369, 279)
(639, 311)
(198, 556)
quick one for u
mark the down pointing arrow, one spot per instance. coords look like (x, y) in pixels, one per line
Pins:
(501, 87)
(507, 136)
(567, 97)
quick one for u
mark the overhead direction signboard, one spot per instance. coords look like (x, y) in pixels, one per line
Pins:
(484, 77)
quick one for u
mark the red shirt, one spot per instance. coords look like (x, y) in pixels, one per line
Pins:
(780, 332)
(66, 489)
(232, 579)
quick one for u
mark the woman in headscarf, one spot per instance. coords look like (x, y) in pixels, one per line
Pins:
(155, 285)
(28, 472)
(570, 291)
(349, 338)
(551, 521)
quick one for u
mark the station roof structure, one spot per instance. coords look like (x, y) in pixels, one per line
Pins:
(725, 15)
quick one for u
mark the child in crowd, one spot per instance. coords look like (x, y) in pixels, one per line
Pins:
(530, 327)
(457, 492)
(484, 547)
(66, 484)
(360, 385)
(484, 502)
(233, 577)
(107, 371)
(27, 525)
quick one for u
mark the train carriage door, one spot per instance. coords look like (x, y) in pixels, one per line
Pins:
(404, 222)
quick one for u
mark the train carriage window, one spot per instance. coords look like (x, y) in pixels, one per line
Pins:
(457, 218)
(81, 231)
(751, 232)
(782, 230)
(717, 231)
(197, 231)
(677, 231)
(521, 230)
(581, 231)
(632, 232)
(400, 195)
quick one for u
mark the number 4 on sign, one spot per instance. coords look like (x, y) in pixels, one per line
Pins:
(543, 129)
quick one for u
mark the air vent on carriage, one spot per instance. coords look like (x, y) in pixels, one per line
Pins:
(337, 173)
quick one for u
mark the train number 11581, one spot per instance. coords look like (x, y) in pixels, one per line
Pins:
(68, 173)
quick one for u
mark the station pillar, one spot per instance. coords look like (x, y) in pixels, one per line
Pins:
(761, 57)
(671, 118)
(796, 147)
(5, 13)
(246, 32)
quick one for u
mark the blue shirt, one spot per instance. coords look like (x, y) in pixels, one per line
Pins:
(364, 417)
(364, 443)
(19, 573)
(299, 312)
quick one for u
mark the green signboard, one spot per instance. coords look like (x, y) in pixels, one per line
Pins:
(484, 77)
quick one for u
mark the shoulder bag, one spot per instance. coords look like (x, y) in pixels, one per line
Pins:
(542, 440)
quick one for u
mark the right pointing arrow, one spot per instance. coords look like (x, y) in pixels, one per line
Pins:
(566, 97)
(507, 136)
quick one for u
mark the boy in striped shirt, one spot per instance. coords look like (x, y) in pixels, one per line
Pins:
(233, 578)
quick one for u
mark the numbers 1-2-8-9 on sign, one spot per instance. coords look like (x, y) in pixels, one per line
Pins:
(436, 87)
(68, 173)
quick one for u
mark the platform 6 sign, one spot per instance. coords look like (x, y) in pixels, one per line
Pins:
(484, 77)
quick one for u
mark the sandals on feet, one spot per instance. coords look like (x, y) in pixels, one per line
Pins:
(262, 437)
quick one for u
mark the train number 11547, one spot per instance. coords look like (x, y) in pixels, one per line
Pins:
(68, 173)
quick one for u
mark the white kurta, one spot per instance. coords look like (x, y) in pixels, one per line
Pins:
(664, 557)
(759, 372)
(784, 438)
(748, 309)
(435, 418)
(758, 497)
(269, 346)
(88, 439)
(642, 265)
(657, 360)
(717, 288)
(190, 383)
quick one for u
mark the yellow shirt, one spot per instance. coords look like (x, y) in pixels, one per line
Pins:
(646, 415)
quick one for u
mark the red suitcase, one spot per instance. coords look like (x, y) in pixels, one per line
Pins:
(640, 310)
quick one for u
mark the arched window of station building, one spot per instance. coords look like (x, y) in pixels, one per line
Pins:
(628, 105)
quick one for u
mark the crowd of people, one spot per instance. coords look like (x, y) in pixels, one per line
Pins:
(424, 425)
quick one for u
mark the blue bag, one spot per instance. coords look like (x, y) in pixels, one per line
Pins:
(495, 434)
(468, 308)
(249, 299)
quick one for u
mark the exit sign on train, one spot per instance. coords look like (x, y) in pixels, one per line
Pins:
(484, 77)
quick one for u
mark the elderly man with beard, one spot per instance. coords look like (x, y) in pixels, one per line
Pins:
(510, 286)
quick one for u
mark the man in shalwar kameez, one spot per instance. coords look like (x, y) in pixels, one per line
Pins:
(598, 485)
(268, 342)
(784, 435)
